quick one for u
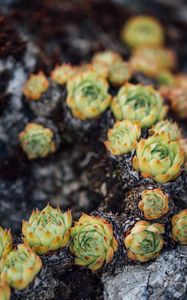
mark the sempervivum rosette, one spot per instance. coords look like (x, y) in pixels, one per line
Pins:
(102, 62)
(119, 73)
(37, 141)
(142, 31)
(5, 241)
(158, 159)
(178, 100)
(139, 103)
(165, 79)
(147, 202)
(179, 227)
(101, 69)
(47, 230)
(87, 95)
(35, 86)
(145, 241)
(93, 242)
(181, 80)
(61, 74)
(123, 137)
(20, 267)
(152, 61)
(154, 204)
(167, 129)
(107, 57)
(183, 144)
(4, 291)
(42, 96)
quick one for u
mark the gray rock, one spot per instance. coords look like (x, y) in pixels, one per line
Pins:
(163, 279)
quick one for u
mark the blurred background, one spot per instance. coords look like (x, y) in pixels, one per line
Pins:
(73, 30)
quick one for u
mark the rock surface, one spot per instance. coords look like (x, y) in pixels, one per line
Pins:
(164, 279)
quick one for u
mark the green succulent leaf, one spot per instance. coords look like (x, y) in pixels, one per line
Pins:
(183, 144)
(165, 79)
(106, 57)
(119, 73)
(178, 101)
(4, 291)
(154, 62)
(167, 129)
(61, 74)
(5, 241)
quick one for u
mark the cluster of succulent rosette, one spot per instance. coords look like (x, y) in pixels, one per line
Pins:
(88, 98)
(46, 231)
(160, 156)
(92, 240)
(145, 35)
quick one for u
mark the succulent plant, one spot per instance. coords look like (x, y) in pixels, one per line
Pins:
(88, 95)
(178, 100)
(158, 159)
(145, 241)
(37, 141)
(183, 144)
(5, 241)
(167, 129)
(122, 138)
(100, 68)
(152, 61)
(20, 267)
(47, 230)
(139, 103)
(4, 291)
(179, 227)
(181, 81)
(93, 242)
(119, 73)
(165, 79)
(107, 57)
(35, 86)
(142, 31)
(61, 74)
(154, 204)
